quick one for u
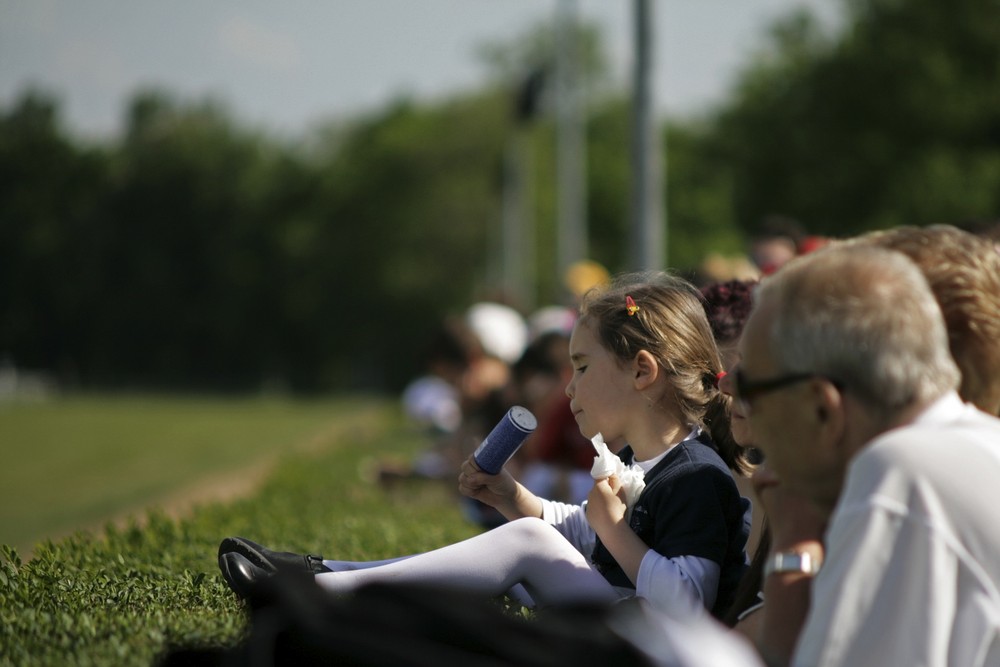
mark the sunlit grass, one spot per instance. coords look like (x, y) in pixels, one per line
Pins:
(72, 462)
(125, 593)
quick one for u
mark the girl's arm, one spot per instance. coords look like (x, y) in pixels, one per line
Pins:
(680, 582)
(501, 491)
(606, 513)
(571, 522)
(687, 581)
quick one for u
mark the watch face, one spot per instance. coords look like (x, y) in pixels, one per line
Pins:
(790, 561)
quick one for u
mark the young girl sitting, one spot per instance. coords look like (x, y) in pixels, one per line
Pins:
(645, 368)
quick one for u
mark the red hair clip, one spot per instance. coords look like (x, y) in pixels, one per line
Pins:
(630, 306)
(719, 376)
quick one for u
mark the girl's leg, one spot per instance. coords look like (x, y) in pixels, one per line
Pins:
(351, 565)
(517, 592)
(527, 551)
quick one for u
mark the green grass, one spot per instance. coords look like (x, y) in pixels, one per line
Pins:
(126, 593)
(76, 461)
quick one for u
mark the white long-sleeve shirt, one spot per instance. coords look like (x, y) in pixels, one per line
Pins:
(668, 583)
(911, 574)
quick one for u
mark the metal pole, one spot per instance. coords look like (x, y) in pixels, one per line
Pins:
(518, 228)
(648, 245)
(571, 144)
(510, 228)
(528, 284)
(517, 237)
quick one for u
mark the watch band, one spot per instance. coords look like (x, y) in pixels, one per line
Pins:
(790, 561)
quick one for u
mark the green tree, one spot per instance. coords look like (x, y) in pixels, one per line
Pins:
(195, 253)
(891, 121)
(185, 250)
(403, 219)
(699, 190)
(51, 195)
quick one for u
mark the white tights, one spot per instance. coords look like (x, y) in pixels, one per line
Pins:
(527, 551)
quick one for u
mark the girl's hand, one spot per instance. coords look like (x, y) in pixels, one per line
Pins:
(606, 504)
(494, 490)
(606, 514)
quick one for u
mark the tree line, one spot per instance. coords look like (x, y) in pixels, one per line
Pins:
(195, 253)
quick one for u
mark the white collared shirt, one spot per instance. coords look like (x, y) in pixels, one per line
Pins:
(911, 574)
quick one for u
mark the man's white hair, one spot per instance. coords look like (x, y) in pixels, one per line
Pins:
(866, 318)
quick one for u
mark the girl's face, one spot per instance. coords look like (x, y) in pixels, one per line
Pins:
(600, 386)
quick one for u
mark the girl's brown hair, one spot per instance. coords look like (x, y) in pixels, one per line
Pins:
(670, 324)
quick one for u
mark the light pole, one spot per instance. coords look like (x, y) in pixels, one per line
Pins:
(571, 145)
(648, 234)
(517, 234)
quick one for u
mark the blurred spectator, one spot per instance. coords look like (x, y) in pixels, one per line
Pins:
(812, 243)
(555, 460)
(728, 305)
(583, 276)
(963, 271)
(487, 388)
(549, 319)
(717, 268)
(501, 330)
(775, 243)
(437, 401)
(987, 228)
(434, 399)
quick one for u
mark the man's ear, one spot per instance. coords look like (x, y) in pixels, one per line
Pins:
(829, 409)
(646, 369)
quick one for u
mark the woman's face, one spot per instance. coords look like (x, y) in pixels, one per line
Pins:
(739, 423)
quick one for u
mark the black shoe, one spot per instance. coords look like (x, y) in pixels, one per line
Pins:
(271, 561)
(243, 577)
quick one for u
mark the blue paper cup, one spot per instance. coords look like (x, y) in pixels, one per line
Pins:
(505, 439)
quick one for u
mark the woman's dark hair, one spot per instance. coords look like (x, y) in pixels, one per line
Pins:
(728, 305)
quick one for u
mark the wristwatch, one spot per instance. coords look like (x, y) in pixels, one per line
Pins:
(790, 561)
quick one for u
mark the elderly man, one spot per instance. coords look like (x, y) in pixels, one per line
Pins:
(881, 485)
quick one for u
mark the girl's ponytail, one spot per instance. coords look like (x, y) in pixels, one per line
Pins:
(716, 422)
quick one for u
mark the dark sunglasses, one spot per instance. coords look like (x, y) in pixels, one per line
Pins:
(749, 390)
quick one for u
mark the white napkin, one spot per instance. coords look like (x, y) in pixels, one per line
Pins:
(606, 464)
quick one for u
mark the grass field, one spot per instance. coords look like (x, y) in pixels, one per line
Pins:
(72, 463)
(129, 591)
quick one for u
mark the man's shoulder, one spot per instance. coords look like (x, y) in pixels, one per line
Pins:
(969, 426)
(945, 452)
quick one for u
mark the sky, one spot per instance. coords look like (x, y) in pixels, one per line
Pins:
(287, 66)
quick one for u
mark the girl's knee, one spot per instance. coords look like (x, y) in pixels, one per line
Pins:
(529, 527)
(535, 534)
